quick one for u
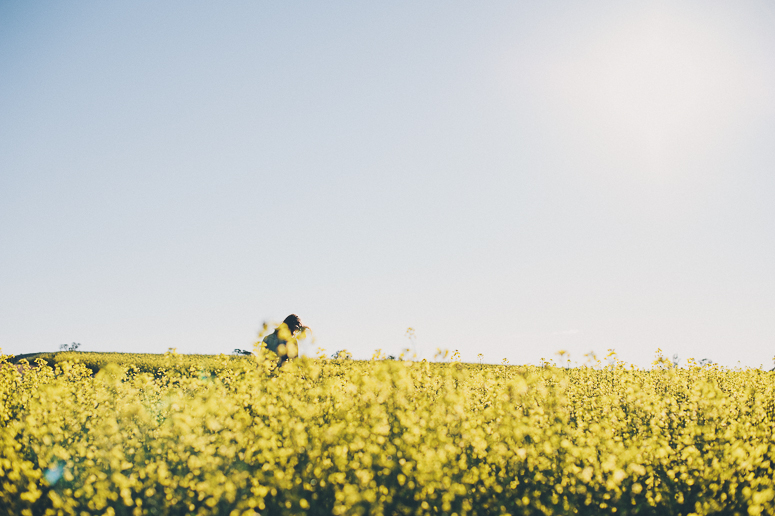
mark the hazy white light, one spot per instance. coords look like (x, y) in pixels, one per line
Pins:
(657, 90)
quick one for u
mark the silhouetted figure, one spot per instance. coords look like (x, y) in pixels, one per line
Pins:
(282, 341)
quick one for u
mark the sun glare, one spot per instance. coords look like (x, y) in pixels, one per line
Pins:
(657, 87)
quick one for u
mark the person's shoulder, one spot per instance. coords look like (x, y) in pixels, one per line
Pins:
(272, 340)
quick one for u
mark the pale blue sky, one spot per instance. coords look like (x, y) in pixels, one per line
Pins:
(508, 178)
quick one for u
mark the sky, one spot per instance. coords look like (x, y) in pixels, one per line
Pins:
(508, 179)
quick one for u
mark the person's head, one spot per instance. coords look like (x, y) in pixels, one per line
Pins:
(294, 323)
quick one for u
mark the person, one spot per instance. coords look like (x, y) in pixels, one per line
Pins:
(283, 341)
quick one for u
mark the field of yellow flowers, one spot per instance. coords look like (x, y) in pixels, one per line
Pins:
(319, 437)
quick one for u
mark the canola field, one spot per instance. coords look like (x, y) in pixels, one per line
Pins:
(234, 436)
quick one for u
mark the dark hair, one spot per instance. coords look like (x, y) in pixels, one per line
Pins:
(294, 323)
